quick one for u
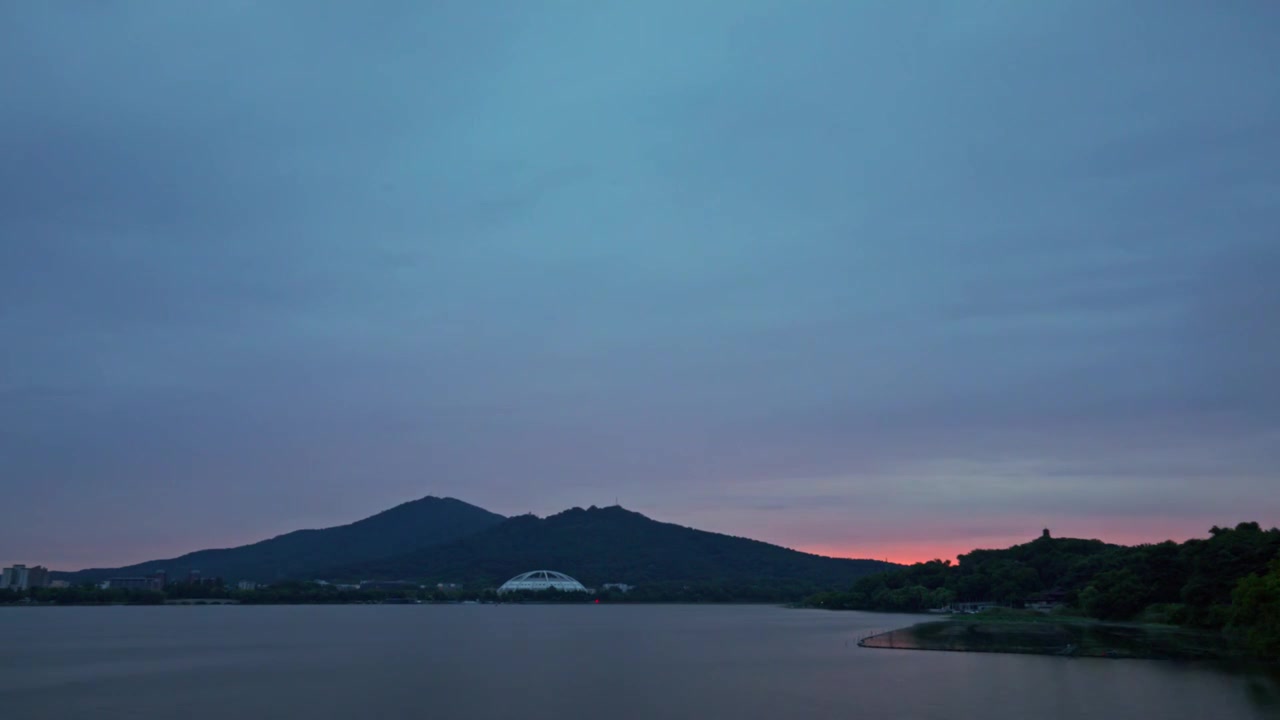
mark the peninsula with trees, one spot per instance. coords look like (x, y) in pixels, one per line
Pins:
(1226, 585)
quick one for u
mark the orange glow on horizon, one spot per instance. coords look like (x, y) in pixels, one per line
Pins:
(908, 552)
(902, 553)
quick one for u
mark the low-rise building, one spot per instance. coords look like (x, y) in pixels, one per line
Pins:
(620, 587)
(387, 585)
(246, 585)
(132, 583)
(1048, 601)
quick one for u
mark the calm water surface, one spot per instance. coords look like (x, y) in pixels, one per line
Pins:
(481, 661)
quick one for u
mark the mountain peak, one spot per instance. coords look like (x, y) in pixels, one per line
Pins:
(608, 511)
(407, 527)
(613, 544)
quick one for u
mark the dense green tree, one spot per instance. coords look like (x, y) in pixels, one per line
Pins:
(93, 595)
(1255, 611)
(1115, 595)
(1217, 564)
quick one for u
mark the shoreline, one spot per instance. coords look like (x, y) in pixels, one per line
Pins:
(1061, 638)
(241, 603)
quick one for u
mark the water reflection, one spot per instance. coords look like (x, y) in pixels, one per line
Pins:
(551, 661)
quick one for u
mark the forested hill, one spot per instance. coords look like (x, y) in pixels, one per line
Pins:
(409, 526)
(601, 545)
(1231, 578)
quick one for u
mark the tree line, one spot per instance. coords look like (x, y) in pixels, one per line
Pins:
(306, 592)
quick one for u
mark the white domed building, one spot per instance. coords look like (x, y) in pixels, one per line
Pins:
(542, 580)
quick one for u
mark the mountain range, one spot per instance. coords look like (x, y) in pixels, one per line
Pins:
(447, 540)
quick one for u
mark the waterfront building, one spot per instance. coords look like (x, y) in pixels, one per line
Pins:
(542, 580)
(21, 577)
(132, 583)
(387, 585)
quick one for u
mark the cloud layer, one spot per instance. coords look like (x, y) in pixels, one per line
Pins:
(887, 280)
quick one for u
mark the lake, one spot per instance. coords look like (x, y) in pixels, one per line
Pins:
(556, 661)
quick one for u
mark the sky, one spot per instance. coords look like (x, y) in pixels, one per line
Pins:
(871, 279)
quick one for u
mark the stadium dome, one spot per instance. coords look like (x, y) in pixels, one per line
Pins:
(542, 580)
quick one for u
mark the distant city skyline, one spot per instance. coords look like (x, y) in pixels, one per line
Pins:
(883, 280)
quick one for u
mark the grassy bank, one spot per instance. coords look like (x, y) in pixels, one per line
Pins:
(1032, 633)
